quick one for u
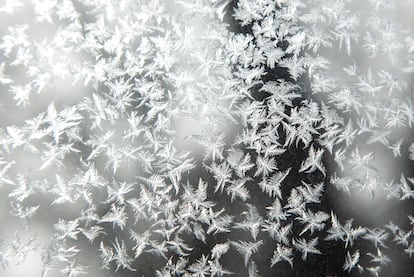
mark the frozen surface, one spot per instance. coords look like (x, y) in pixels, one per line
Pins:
(206, 138)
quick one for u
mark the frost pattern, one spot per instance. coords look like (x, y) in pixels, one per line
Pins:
(152, 138)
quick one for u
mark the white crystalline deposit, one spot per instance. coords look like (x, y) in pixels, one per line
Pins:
(205, 138)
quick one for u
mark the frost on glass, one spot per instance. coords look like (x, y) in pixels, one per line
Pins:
(206, 138)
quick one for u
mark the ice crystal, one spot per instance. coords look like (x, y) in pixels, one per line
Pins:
(206, 137)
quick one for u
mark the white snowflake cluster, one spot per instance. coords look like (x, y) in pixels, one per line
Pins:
(152, 138)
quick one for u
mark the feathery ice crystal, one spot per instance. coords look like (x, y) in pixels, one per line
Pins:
(206, 137)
